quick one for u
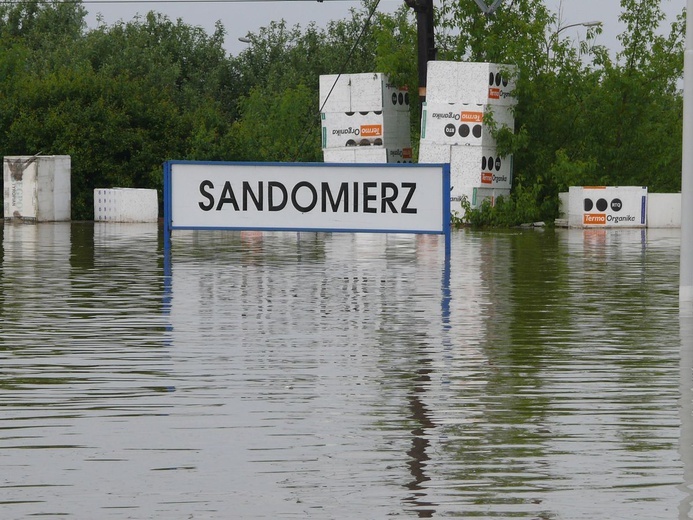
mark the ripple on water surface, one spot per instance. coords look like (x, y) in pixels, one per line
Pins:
(339, 376)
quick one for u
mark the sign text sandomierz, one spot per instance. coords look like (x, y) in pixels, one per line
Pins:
(307, 197)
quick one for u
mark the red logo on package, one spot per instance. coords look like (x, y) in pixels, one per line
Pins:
(473, 117)
(592, 219)
(371, 130)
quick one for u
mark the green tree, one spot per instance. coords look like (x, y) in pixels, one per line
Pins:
(396, 55)
(120, 100)
(41, 26)
(277, 127)
(123, 98)
(637, 109)
(584, 116)
(279, 118)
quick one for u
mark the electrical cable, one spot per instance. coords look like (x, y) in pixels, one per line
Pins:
(339, 75)
(51, 2)
(341, 69)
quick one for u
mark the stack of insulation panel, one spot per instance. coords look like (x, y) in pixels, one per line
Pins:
(37, 188)
(464, 101)
(125, 205)
(365, 119)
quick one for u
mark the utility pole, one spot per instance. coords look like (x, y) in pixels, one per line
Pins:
(426, 40)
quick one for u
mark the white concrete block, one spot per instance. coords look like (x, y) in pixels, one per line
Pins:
(431, 153)
(479, 166)
(607, 206)
(473, 166)
(366, 92)
(400, 155)
(479, 83)
(335, 93)
(37, 187)
(362, 155)
(369, 92)
(365, 129)
(365, 154)
(663, 210)
(125, 205)
(338, 155)
(463, 123)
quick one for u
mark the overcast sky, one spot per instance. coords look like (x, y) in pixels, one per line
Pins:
(241, 16)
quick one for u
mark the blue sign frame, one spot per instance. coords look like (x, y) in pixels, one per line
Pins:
(445, 227)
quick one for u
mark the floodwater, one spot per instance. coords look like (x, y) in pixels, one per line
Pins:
(536, 375)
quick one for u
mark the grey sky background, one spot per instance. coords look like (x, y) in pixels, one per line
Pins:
(240, 17)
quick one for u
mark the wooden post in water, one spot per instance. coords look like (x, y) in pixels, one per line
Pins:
(686, 265)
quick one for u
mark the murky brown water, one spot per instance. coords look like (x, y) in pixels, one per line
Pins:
(537, 376)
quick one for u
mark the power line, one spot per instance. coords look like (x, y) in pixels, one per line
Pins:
(50, 2)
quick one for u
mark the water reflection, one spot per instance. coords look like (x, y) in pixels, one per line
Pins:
(308, 375)
(83, 350)
(686, 413)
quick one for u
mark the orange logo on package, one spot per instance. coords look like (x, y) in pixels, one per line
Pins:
(486, 178)
(406, 153)
(494, 93)
(473, 117)
(371, 130)
(594, 219)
